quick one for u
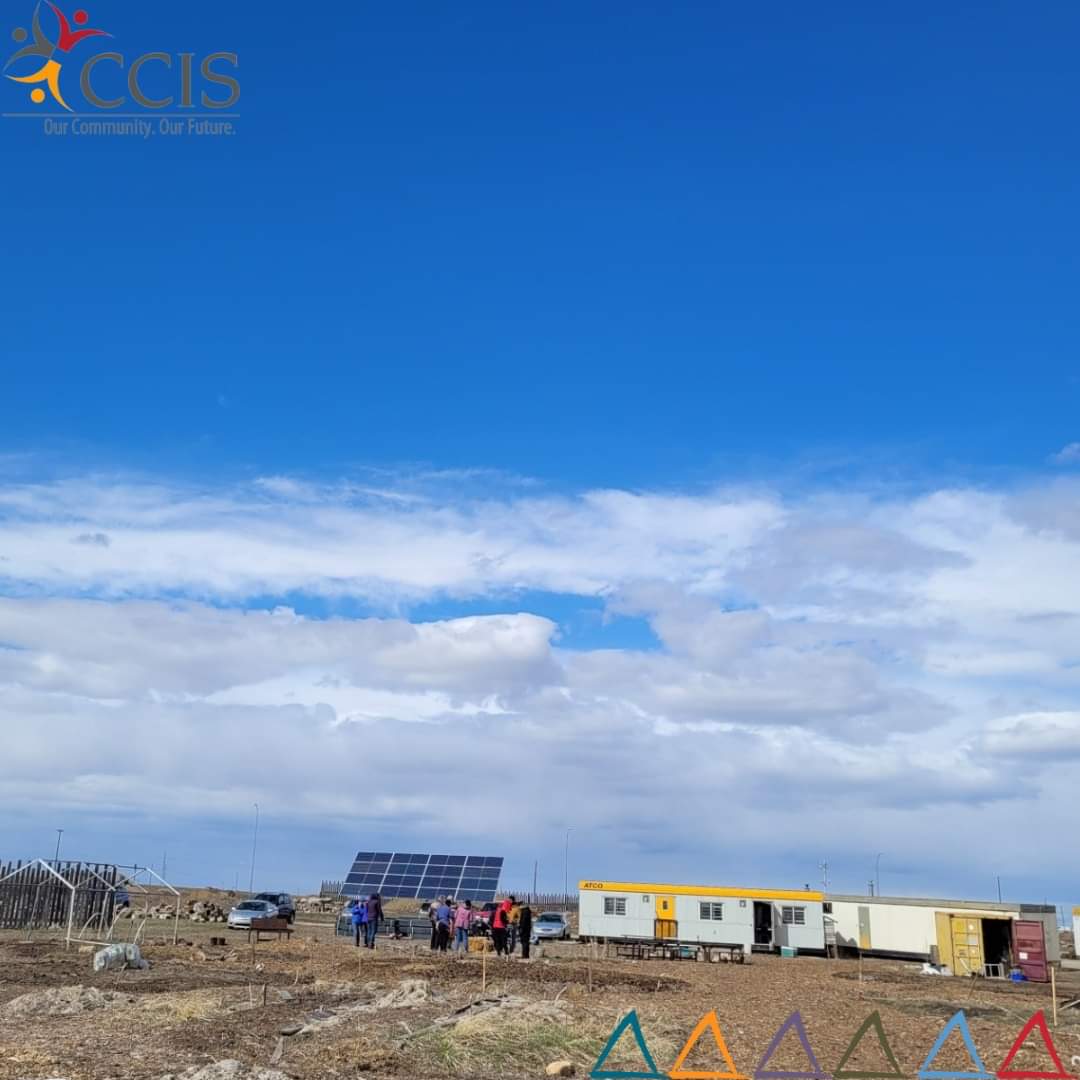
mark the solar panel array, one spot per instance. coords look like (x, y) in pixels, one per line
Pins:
(466, 877)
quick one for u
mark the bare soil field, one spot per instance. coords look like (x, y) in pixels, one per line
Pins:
(316, 1007)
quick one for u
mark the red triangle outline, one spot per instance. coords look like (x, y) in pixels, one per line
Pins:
(1038, 1020)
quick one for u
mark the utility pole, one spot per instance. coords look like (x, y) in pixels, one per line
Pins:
(536, 871)
(877, 873)
(164, 863)
(56, 857)
(566, 865)
(870, 886)
(823, 866)
(999, 888)
(254, 845)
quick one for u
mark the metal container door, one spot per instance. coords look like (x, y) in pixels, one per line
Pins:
(967, 946)
(1029, 950)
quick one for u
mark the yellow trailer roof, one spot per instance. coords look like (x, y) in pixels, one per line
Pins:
(699, 890)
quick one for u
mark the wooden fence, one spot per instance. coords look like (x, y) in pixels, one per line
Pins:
(556, 901)
(31, 898)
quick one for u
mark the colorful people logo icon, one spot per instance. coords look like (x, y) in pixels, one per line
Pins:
(42, 46)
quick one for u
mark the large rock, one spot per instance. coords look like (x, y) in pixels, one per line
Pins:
(561, 1068)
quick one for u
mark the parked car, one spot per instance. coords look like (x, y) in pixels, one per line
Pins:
(551, 926)
(286, 908)
(240, 917)
(488, 910)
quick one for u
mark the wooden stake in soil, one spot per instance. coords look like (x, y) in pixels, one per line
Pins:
(483, 970)
(591, 948)
(1053, 993)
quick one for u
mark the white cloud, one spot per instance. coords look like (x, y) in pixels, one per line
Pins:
(898, 655)
(1067, 455)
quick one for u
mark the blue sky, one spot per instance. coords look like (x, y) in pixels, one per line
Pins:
(782, 267)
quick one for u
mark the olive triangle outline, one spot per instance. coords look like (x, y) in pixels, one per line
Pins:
(1038, 1020)
(710, 1022)
(630, 1020)
(872, 1021)
(815, 1073)
(958, 1021)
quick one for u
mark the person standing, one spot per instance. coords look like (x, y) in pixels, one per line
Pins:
(442, 926)
(463, 920)
(433, 915)
(500, 923)
(374, 908)
(525, 929)
(359, 920)
(512, 928)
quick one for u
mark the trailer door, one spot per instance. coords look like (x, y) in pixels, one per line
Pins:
(666, 927)
(1029, 949)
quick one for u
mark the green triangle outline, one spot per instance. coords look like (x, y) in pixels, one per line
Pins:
(872, 1021)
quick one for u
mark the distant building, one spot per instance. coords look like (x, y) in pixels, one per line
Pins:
(970, 936)
(761, 919)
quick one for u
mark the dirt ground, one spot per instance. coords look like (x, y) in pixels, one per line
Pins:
(316, 1007)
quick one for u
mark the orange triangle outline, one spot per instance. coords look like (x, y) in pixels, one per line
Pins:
(1036, 1023)
(709, 1021)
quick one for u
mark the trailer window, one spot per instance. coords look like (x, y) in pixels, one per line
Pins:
(715, 912)
(826, 908)
(793, 916)
(614, 905)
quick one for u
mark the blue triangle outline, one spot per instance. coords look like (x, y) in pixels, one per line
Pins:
(630, 1020)
(958, 1021)
(815, 1073)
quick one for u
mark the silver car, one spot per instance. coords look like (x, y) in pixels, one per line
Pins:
(551, 926)
(240, 917)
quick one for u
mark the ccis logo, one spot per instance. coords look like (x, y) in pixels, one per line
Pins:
(48, 61)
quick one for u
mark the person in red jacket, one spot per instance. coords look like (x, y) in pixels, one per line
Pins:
(500, 925)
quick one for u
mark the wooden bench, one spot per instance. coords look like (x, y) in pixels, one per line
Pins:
(269, 926)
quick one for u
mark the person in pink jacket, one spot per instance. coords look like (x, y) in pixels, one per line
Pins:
(463, 920)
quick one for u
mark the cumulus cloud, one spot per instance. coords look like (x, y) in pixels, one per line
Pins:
(903, 656)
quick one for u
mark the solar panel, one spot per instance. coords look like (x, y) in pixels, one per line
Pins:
(466, 877)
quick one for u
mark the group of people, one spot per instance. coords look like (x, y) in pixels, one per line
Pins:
(510, 922)
(366, 916)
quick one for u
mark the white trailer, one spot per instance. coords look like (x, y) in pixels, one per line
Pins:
(970, 936)
(762, 919)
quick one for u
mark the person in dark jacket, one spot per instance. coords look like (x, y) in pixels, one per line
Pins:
(443, 918)
(525, 930)
(374, 908)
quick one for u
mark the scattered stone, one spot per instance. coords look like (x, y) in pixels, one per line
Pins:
(561, 1068)
(291, 1029)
